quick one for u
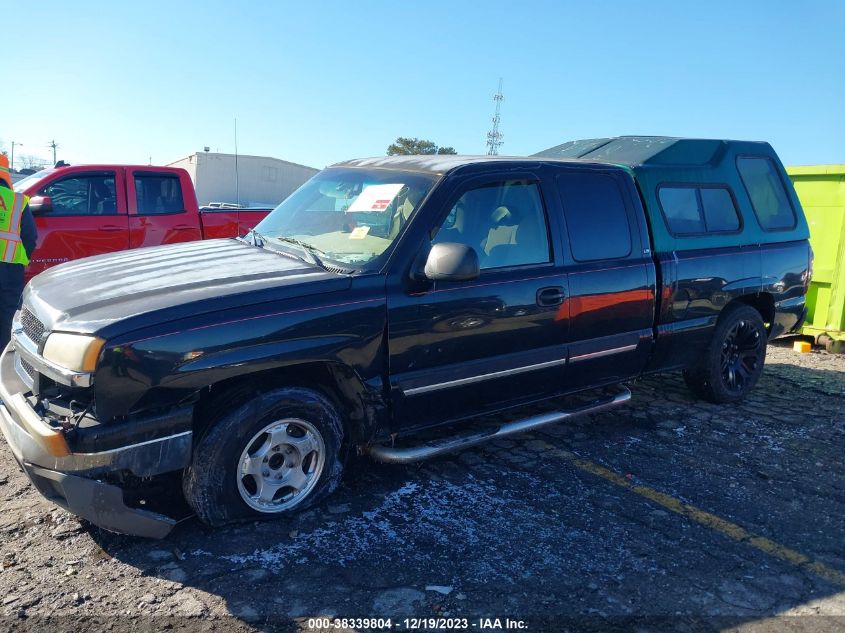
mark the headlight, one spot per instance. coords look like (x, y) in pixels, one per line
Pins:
(77, 352)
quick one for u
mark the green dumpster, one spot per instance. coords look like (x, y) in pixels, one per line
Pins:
(821, 189)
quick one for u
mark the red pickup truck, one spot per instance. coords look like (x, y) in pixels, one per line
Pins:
(84, 210)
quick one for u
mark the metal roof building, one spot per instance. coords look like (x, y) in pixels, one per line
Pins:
(257, 181)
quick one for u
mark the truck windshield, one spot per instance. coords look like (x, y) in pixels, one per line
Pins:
(347, 216)
(24, 183)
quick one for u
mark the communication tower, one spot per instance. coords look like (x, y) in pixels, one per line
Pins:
(494, 136)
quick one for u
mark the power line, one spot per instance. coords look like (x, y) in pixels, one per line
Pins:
(494, 136)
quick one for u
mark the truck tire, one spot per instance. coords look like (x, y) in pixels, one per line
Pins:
(733, 362)
(276, 453)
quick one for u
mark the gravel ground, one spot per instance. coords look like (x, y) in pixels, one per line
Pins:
(668, 514)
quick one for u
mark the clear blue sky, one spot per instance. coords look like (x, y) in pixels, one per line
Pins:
(317, 82)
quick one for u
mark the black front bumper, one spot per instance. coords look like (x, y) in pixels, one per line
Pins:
(100, 503)
(75, 481)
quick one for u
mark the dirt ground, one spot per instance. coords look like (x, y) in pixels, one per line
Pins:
(667, 514)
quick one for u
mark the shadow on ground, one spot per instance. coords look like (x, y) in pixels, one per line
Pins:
(511, 530)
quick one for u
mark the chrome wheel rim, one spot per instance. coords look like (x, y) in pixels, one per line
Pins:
(740, 355)
(280, 465)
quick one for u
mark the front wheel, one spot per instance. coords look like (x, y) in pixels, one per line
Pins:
(733, 362)
(279, 452)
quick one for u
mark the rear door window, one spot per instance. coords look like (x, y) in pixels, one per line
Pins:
(158, 194)
(694, 210)
(596, 217)
(765, 189)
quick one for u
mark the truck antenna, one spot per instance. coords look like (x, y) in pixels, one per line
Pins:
(237, 182)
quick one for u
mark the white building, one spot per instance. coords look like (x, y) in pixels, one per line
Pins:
(260, 181)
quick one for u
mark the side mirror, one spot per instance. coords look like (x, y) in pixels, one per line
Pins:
(39, 205)
(450, 261)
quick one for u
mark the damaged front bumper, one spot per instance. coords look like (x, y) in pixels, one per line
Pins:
(75, 480)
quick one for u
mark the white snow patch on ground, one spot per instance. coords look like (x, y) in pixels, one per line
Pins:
(445, 520)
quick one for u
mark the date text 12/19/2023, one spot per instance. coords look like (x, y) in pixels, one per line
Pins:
(414, 624)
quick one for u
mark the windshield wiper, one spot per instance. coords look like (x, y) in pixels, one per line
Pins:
(257, 238)
(310, 258)
(292, 240)
(309, 250)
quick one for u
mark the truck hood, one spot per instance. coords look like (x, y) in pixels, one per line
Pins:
(92, 294)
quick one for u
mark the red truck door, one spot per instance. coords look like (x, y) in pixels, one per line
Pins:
(161, 208)
(85, 216)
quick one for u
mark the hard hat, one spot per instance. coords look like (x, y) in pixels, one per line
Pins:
(4, 170)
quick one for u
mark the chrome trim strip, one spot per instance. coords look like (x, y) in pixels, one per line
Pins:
(604, 352)
(415, 391)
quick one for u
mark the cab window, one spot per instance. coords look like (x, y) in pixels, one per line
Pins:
(158, 194)
(92, 194)
(504, 222)
(596, 218)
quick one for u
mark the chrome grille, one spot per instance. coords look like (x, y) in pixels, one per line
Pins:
(32, 327)
(29, 369)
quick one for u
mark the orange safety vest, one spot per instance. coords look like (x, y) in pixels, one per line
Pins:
(11, 213)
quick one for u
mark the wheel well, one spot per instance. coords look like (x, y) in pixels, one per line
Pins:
(335, 381)
(764, 303)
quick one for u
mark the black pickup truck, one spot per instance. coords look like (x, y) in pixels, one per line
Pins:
(388, 297)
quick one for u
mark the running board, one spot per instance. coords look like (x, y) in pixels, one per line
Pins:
(405, 455)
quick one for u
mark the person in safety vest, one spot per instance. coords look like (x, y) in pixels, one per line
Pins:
(17, 241)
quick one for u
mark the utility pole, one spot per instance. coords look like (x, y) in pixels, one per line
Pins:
(53, 145)
(494, 137)
(12, 158)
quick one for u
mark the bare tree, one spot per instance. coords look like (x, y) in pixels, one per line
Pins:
(28, 161)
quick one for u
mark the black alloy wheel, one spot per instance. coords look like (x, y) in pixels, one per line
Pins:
(740, 355)
(733, 362)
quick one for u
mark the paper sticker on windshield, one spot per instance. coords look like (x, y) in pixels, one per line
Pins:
(359, 233)
(375, 198)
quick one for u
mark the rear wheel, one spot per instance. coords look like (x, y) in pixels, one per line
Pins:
(734, 361)
(277, 453)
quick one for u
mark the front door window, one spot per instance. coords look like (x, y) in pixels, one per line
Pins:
(82, 195)
(504, 222)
